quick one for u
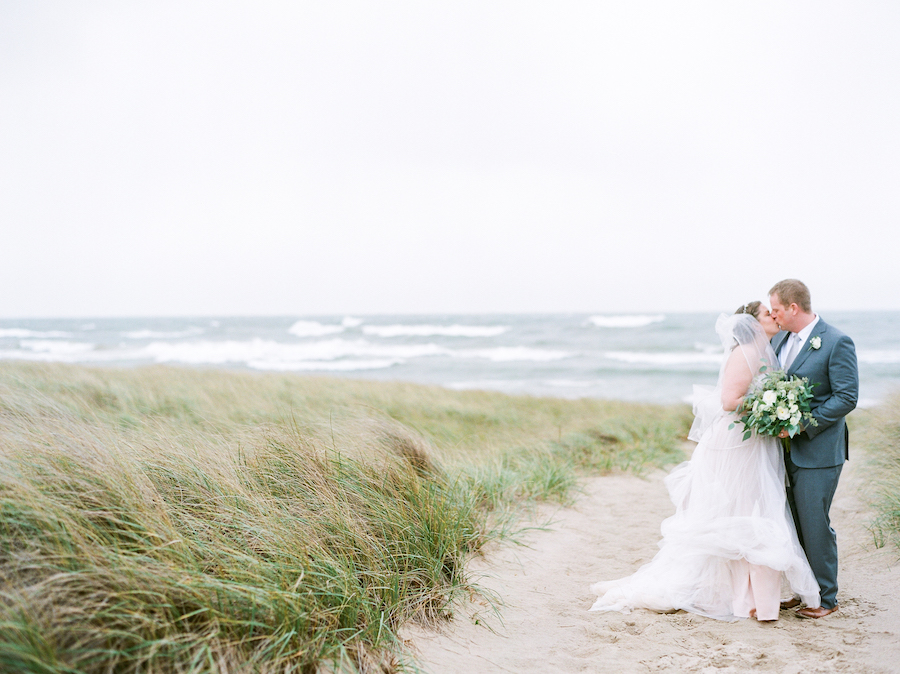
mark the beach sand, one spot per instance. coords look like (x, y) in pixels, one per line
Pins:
(544, 624)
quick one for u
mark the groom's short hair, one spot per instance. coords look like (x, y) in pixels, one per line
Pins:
(791, 291)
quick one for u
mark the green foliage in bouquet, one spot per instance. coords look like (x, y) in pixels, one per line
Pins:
(777, 403)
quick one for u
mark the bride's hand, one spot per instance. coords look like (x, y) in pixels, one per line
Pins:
(784, 433)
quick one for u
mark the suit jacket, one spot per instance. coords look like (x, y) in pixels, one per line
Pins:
(832, 371)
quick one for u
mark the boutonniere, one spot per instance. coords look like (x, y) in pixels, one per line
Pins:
(815, 343)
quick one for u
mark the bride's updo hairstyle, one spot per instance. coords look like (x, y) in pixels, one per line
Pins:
(751, 308)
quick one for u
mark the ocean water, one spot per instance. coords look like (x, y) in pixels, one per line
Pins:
(646, 357)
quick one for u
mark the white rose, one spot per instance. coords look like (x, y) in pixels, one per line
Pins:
(783, 413)
(815, 342)
(794, 409)
(769, 397)
(795, 420)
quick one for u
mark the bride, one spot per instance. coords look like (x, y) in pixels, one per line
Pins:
(732, 541)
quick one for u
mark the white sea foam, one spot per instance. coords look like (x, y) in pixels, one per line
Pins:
(65, 352)
(664, 358)
(39, 356)
(54, 347)
(569, 383)
(162, 334)
(298, 356)
(314, 329)
(207, 352)
(351, 322)
(707, 347)
(435, 330)
(504, 385)
(22, 333)
(502, 354)
(268, 351)
(322, 366)
(626, 321)
(878, 357)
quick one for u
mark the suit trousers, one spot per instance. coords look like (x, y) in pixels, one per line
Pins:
(810, 493)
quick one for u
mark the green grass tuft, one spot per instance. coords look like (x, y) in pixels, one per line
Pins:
(173, 520)
(879, 430)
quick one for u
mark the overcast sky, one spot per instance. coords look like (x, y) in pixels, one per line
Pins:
(171, 158)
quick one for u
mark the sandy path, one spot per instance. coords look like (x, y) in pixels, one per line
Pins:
(545, 626)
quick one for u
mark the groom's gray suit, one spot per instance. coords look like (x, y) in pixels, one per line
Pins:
(817, 454)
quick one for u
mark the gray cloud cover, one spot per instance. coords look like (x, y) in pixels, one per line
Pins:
(296, 158)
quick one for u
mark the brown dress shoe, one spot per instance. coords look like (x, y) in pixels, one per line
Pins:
(791, 603)
(820, 612)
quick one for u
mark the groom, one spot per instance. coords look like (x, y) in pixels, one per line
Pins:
(811, 348)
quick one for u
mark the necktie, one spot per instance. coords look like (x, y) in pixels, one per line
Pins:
(793, 341)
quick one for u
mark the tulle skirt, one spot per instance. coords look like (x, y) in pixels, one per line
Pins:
(730, 506)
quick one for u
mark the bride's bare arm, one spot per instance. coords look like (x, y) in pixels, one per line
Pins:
(735, 380)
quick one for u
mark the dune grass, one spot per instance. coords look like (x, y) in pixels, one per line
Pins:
(879, 431)
(174, 520)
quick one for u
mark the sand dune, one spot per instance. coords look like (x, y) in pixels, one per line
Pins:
(544, 624)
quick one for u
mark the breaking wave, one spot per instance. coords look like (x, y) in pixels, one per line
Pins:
(434, 330)
(626, 321)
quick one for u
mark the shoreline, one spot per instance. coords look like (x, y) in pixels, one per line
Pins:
(638, 358)
(863, 403)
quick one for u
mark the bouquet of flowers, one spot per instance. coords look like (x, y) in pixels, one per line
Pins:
(775, 404)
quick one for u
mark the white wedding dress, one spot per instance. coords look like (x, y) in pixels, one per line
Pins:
(730, 508)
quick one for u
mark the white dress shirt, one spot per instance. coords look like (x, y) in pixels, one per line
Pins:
(800, 337)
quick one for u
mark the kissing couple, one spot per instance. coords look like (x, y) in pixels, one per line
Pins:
(752, 515)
